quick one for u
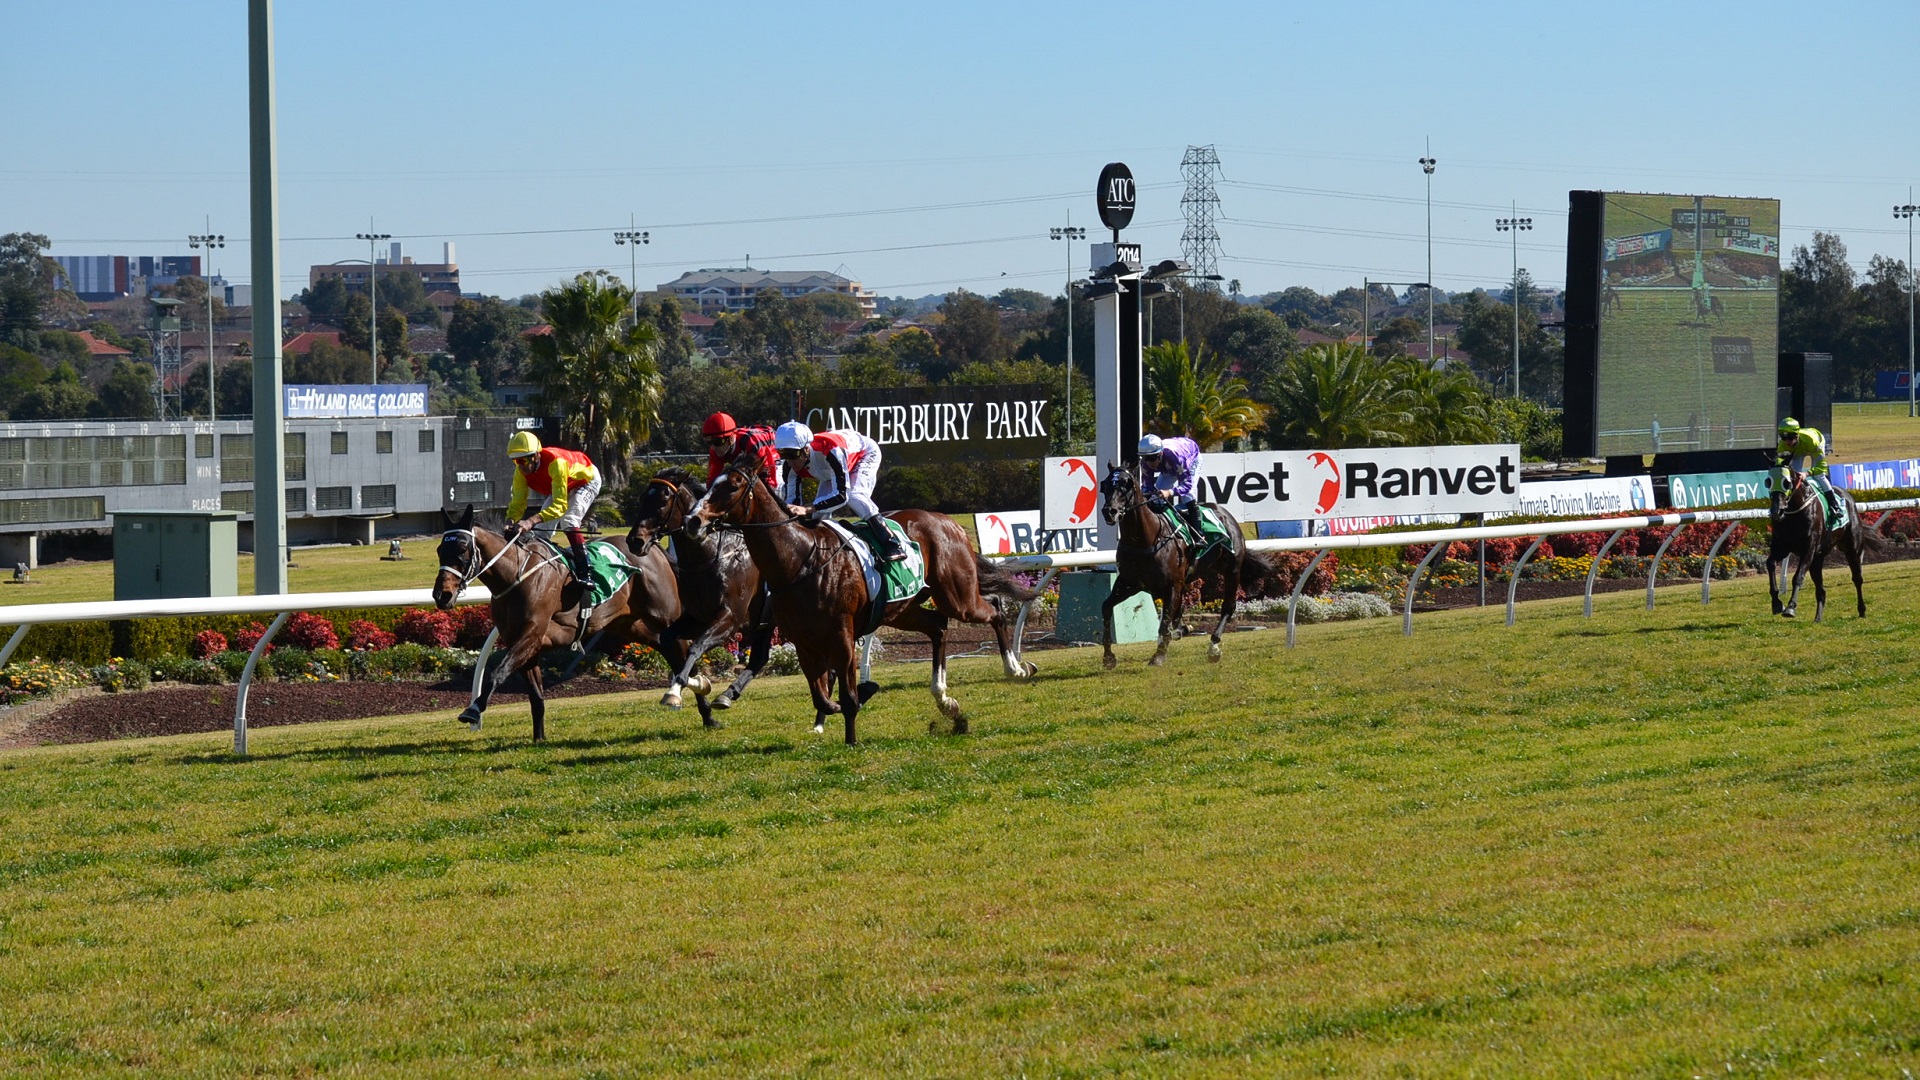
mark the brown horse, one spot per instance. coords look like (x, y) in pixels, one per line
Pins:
(820, 591)
(720, 591)
(536, 601)
(1153, 559)
(1799, 531)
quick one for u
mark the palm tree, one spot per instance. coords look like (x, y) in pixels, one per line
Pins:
(1197, 396)
(1335, 397)
(598, 370)
(1446, 406)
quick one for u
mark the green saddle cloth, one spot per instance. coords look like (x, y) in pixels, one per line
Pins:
(903, 579)
(1211, 531)
(607, 568)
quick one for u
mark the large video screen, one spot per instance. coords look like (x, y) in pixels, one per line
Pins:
(1689, 323)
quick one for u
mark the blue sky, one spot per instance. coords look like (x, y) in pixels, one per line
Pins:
(923, 148)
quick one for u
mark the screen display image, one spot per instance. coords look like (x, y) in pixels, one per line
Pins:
(1689, 323)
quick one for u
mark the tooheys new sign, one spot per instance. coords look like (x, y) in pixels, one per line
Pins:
(929, 425)
(1280, 485)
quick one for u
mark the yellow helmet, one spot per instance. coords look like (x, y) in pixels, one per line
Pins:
(523, 444)
(1789, 426)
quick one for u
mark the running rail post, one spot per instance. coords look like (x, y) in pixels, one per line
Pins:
(480, 671)
(14, 642)
(1020, 623)
(1414, 583)
(1594, 570)
(1653, 572)
(246, 681)
(1513, 578)
(866, 658)
(1706, 571)
(1298, 587)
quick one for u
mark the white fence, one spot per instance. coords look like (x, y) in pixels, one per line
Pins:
(283, 605)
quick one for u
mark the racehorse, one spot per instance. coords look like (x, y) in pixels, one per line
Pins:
(1799, 531)
(1153, 559)
(536, 601)
(719, 589)
(820, 590)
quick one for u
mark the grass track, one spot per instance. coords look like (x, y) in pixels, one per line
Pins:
(1657, 844)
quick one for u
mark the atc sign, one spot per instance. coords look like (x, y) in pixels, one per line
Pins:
(1284, 485)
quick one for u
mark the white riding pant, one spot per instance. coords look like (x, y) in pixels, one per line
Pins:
(860, 480)
(579, 501)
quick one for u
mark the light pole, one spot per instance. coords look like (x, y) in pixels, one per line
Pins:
(1515, 225)
(1426, 165)
(1906, 210)
(1069, 233)
(209, 240)
(636, 237)
(1366, 311)
(373, 294)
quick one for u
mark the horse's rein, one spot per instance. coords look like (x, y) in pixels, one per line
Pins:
(473, 555)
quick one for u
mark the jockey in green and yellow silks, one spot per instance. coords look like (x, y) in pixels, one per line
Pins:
(1797, 443)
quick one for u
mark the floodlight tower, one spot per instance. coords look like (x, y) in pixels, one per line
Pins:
(210, 240)
(1069, 233)
(1427, 164)
(1515, 225)
(636, 237)
(373, 294)
(1906, 210)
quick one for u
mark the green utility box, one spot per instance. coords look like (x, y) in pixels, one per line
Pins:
(1081, 595)
(166, 554)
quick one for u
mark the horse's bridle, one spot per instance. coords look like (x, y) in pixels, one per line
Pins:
(469, 574)
(1135, 497)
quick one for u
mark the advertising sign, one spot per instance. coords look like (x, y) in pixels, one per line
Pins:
(1018, 532)
(1115, 194)
(1692, 491)
(1277, 485)
(930, 425)
(355, 400)
(1585, 498)
(1904, 473)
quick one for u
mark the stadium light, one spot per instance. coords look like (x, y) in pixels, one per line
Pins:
(209, 240)
(1426, 165)
(373, 294)
(1515, 225)
(636, 237)
(1069, 233)
(1906, 210)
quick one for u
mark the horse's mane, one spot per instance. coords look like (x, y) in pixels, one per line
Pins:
(682, 477)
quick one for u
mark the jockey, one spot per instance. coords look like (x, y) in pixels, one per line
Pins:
(566, 478)
(728, 440)
(1173, 471)
(1798, 442)
(846, 463)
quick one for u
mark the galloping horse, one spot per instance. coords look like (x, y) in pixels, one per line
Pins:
(719, 589)
(1153, 559)
(1799, 530)
(536, 600)
(820, 591)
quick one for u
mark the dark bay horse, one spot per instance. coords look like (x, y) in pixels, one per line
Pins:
(820, 591)
(1799, 531)
(536, 601)
(1153, 559)
(719, 589)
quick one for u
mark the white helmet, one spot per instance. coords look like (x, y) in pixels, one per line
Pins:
(792, 435)
(1149, 445)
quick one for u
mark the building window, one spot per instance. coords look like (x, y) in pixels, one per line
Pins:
(383, 442)
(339, 442)
(477, 492)
(470, 439)
(377, 497)
(297, 500)
(296, 455)
(203, 446)
(426, 440)
(333, 498)
(236, 460)
(35, 511)
(240, 499)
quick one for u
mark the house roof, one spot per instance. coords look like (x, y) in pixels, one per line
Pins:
(96, 347)
(304, 342)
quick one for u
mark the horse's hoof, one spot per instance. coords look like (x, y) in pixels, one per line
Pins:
(866, 690)
(725, 700)
(1109, 662)
(1213, 653)
(1158, 660)
(671, 699)
(470, 716)
(711, 724)
(1786, 613)
(1032, 669)
(819, 727)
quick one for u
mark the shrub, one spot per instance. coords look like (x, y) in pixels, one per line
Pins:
(471, 625)
(120, 674)
(37, 678)
(421, 626)
(231, 663)
(365, 635)
(1274, 573)
(208, 642)
(181, 669)
(244, 640)
(285, 663)
(306, 630)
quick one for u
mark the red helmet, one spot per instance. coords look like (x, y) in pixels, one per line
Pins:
(719, 424)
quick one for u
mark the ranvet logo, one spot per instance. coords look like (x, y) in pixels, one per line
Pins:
(995, 537)
(1089, 493)
(1329, 484)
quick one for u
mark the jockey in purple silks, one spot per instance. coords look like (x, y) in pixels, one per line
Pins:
(1171, 468)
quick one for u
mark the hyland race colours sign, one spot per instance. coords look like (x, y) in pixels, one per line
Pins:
(1280, 485)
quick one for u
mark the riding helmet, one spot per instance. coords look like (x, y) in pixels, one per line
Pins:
(792, 435)
(523, 444)
(1789, 426)
(719, 424)
(1149, 445)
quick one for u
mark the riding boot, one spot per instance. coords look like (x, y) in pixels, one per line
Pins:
(886, 546)
(1191, 512)
(582, 570)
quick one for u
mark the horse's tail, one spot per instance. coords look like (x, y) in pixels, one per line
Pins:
(999, 583)
(1867, 539)
(1257, 574)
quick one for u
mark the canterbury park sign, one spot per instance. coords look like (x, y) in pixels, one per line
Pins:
(933, 425)
(1285, 485)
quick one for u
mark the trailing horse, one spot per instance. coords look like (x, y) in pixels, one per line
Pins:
(719, 589)
(536, 603)
(821, 599)
(1152, 558)
(1799, 531)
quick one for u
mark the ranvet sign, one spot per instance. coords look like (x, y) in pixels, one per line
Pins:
(1278, 485)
